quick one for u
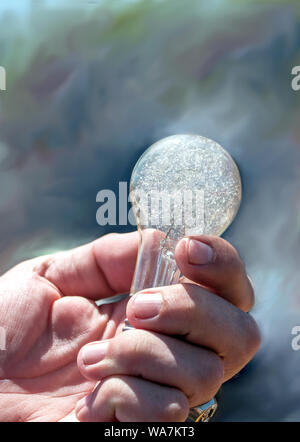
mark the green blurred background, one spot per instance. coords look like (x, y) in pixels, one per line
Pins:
(91, 84)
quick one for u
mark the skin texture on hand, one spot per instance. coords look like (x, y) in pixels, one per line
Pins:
(189, 338)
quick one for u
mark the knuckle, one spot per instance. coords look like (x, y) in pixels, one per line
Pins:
(250, 338)
(111, 391)
(217, 373)
(246, 295)
(112, 235)
(250, 299)
(209, 380)
(110, 386)
(246, 303)
(177, 410)
(227, 256)
(215, 377)
(179, 304)
(252, 335)
(136, 344)
(233, 260)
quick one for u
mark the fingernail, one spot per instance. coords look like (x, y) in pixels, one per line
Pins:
(199, 252)
(91, 354)
(147, 305)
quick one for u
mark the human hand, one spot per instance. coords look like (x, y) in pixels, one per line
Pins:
(188, 339)
(48, 312)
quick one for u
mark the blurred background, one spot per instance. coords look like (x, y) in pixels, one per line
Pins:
(91, 84)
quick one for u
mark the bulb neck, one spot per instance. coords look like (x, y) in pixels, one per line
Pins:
(156, 265)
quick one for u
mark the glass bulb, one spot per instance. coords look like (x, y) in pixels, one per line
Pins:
(182, 185)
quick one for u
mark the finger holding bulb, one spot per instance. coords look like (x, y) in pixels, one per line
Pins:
(210, 313)
(217, 340)
(131, 399)
(215, 263)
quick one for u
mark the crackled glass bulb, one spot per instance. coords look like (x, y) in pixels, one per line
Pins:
(182, 185)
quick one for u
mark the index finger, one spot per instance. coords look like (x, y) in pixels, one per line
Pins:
(214, 263)
(99, 269)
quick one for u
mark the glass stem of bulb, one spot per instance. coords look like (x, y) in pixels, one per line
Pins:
(156, 265)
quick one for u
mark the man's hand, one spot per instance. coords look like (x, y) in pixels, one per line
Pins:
(189, 338)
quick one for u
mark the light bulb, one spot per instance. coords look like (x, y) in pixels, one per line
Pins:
(182, 185)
